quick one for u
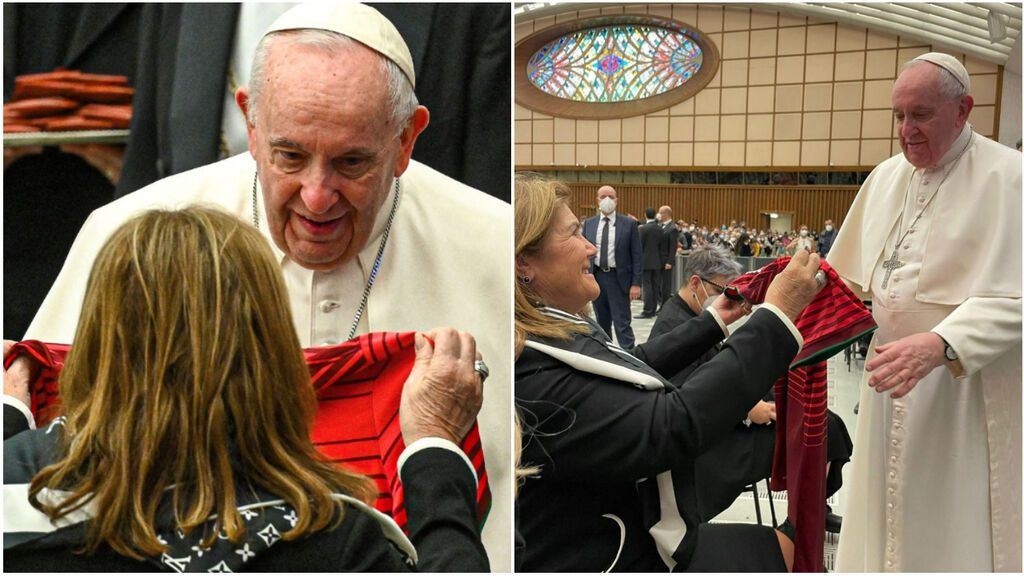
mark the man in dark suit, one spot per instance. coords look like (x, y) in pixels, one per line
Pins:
(828, 236)
(668, 260)
(652, 242)
(617, 267)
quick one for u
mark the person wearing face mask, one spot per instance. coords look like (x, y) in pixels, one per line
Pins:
(802, 242)
(827, 237)
(685, 237)
(617, 266)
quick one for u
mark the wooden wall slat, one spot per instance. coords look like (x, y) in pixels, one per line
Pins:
(714, 205)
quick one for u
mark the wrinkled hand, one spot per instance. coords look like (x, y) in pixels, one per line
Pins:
(634, 292)
(794, 288)
(17, 378)
(443, 393)
(902, 364)
(762, 413)
(730, 310)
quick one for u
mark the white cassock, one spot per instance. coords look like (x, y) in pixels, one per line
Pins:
(446, 263)
(936, 475)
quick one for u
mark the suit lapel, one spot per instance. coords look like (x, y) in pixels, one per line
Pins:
(92, 23)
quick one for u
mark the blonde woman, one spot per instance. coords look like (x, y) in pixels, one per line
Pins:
(184, 441)
(613, 439)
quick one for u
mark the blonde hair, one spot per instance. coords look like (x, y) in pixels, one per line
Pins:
(186, 369)
(537, 198)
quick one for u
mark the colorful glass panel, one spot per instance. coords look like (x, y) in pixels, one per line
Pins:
(615, 63)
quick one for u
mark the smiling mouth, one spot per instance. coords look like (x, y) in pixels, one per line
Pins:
(320, 226)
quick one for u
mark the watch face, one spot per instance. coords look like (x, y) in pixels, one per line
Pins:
(950, 354)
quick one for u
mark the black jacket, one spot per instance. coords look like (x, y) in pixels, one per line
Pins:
(652, 242)
(600, 441)
(440, 499)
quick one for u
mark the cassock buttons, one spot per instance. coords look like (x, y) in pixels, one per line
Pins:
(329, 305)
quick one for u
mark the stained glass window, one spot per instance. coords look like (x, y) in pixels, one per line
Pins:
(618, 63)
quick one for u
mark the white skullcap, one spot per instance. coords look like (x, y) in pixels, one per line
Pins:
(951, 65)
(357, 21)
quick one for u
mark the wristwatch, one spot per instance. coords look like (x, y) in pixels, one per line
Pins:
(949, 352)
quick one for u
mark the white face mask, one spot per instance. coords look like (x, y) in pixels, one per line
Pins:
(685, 229)
(803, 233)
(828, 228)
(607, 205)
(708, 299)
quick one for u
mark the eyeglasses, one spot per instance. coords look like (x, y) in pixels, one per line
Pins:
(721, 289)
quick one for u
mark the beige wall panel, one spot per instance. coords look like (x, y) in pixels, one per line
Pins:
(705, 128)
(880, 40)
(763, 19)
(847, 95)
(586, 154)
(787, 127)
(524, 154)
(849, 66)
(737, 18)
(878, 94)
(543, 154)
(543, 131)
(877, 124)
(850, 38)
(656, 154)
(979, 66)
(705, 154)
(983, 89)
(844, 153)
(814, 153)
(524, 131)
(523, 113)
(735, 45)
(684, 108)
(789, 98)
(734, 100)
(817, 97)
(632, 154)
(565, 154)
(523, 30)
(816, 126)
(907, 41)
(633, 129)
(895, 148)
(681, 129)
(762, 42)
(680, 154)
(791, 40)
(819, 68)
(791, 20)
(873, 151)
(709, 18)
(880, 64)
(983, 119)
(786, 154)
(610, 130)
(759, 153)
(663, 10)
(789, 69)
(762, 71)
(821, 38)
(656, 130)
(731, 154)
(565, 130)
(687, 13)
(846, 125)
(761, 99)
(733, 128)
(586, 130)
(759, 126)
(706, 101)
(733, 72)
(615, 10)
(907, 54)
(609, 154)
(542, 23)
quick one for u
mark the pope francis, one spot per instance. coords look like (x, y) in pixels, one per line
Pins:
(368, 240)
(933, 239)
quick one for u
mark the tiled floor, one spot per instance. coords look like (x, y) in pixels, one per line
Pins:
(843, 386)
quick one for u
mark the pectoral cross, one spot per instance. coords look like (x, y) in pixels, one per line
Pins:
(891, 264)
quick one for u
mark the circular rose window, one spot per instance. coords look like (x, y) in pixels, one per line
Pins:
(612, 67)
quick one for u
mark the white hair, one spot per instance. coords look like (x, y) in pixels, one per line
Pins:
(710, 261)
(401, 96)
(949, 86)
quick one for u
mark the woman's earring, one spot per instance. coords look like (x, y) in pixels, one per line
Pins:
(525, 279)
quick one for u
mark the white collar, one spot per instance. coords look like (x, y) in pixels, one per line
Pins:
(955, 148)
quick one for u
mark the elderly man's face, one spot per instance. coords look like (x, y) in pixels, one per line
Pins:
(326, 149)
(927, 121)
